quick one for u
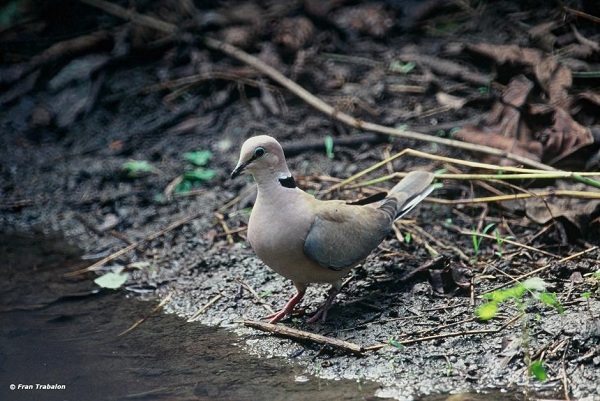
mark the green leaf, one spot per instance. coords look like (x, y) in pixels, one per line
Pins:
(137, 167)
(487, 310)
(200, 174)
(329, 146)
(488, 227)
(112, 280)
(403, 68)
(514, 292)
(183, 187)
(454, 131)
(199, 158)
(538, 370)
(396, 344)
(550, 299)
(586, 295)
(476, 241)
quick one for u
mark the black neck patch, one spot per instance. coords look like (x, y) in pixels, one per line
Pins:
(288, 182)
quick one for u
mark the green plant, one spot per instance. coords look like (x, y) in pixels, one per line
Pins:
(499, 241)
(198, 158)
(400, 67)
(535, 286)
(136, 168)
(537, 370)
(477, 239)
(453, 132)
(359, 379)
(395, 343)
(329, 147)
(191, 179)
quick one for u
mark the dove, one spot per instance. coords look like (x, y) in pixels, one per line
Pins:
(307, 240)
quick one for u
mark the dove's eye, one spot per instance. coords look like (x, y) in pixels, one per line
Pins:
(259, 152)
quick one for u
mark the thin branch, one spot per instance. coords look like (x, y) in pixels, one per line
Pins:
(205, 308)
(302, 335)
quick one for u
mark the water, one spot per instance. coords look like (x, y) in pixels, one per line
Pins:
(63, 333)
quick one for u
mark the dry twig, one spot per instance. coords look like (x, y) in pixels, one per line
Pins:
(302, 335)
(204, 308)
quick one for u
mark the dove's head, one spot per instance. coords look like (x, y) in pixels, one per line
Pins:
(262, 156)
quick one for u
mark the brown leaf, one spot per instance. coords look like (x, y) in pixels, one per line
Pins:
(504, 127)
(321, 8)
(564, 137)
(579, 212)
(515, 128)
(554, 78)
(474, 135)
(551, 75)
(517, 91)
(449, 279)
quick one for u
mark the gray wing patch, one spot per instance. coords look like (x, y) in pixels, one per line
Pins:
(341, 244)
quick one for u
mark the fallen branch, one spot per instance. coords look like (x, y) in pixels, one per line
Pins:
(302, 335)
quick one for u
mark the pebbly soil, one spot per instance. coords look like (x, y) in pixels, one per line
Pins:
(70, 180)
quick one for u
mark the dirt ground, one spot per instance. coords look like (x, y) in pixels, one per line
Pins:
(71, 121)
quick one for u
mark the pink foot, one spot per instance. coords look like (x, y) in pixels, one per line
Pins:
(288, 309)
(323, 310)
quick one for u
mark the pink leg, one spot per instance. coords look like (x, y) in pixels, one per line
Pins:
(288, 309)
(322, 312)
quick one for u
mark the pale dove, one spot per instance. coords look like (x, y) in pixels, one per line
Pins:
(312, 241)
